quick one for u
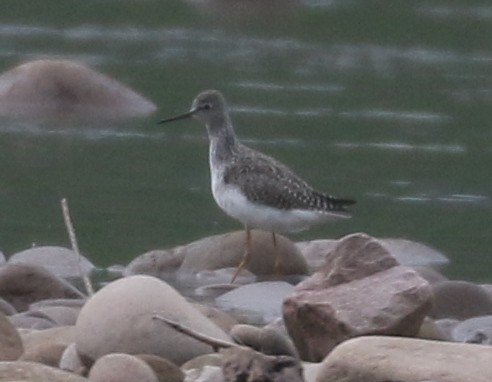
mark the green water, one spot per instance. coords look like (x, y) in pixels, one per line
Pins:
(388, 102)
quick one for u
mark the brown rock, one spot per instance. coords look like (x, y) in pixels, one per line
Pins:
(360, 290)
(23, 284)
(460, 300)
(392, 302)
(10, 341)
(35, 372)
(225, 251)
(117, 367)
(377, 359)
(48, 354)
(356, 256)
(165, 370)
(64, 336)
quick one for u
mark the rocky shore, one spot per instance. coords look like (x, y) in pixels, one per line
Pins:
(348, 310)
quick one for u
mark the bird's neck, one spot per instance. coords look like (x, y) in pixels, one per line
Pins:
(223, 141)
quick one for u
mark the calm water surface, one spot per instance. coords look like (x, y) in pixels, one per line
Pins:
(386, 102)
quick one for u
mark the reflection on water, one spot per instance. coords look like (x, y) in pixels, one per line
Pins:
(390, 104)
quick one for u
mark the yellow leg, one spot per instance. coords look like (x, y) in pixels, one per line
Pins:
(277, 267)
(246, 255)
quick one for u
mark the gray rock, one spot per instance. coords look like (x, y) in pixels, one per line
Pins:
(376, 359)
(120, 318)
(266, 340)
(23, 284)
(413, 253)
(119, 367)
(260, 301)
(460, 300)
(359, 291)
(10, 341)
(316, 252)
(60, 261)
(54, 88)
(2, 258)
(477, 330)
(226, 251)
(155, 263)
(60, 315)
(446, 326)
(35, 372)
(32, 320)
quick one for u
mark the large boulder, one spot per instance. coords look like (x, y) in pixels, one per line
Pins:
(120, 318)
(226, 250)
(53, 88)
(22, 284)
(376, 359)
(360, 291)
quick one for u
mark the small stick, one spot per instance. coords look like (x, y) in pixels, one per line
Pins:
(214, 342)
(75, 246)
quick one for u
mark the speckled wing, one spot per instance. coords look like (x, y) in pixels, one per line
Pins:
(268, 182)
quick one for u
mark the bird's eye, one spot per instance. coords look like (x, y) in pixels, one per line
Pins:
(206, 106)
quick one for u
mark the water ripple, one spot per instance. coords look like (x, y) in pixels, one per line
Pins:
(405, 147)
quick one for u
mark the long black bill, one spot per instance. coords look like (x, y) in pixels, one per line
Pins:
(181, 116)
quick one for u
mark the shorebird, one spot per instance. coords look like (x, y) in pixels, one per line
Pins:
(254, 188)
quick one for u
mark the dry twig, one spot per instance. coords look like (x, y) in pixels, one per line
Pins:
(75, 246)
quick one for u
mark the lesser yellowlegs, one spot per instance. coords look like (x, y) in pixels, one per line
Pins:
(254, 188)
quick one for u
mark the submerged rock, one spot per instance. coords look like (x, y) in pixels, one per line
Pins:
(60, 261)
(262, 301)
(54, 88)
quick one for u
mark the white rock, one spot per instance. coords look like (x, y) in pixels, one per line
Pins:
(119, 318)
